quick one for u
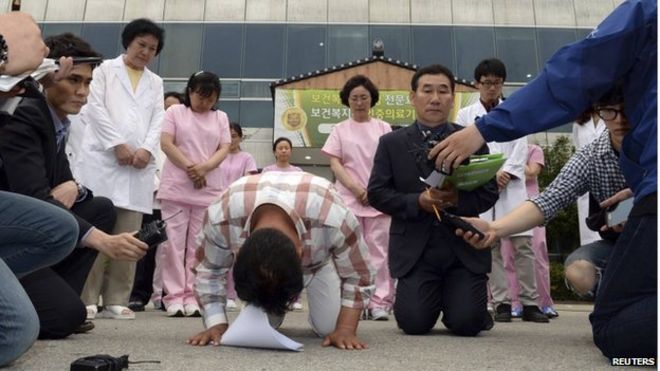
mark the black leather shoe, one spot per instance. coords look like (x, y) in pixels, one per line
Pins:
(503, 313)
(87, 326)
(532, 313)
(136, 306)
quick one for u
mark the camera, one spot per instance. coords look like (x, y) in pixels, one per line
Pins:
(152, 233)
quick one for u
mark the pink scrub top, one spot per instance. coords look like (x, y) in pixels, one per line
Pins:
(534, 155)
(274, 167)
(354, 143)
(198, 136)
(235, 166)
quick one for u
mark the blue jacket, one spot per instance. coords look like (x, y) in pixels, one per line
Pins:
(623, 46)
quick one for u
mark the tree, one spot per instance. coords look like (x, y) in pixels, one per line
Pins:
(562, 233)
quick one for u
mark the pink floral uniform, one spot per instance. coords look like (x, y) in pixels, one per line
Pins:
(198, 136)
(354, 144)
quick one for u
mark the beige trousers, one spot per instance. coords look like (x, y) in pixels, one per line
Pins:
(524, 264)
(113, 279)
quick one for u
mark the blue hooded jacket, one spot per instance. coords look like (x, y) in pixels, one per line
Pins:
(623, 47)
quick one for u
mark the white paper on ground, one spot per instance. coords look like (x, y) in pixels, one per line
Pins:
(252, 330)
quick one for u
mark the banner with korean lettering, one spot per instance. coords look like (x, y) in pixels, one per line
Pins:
(306, 117)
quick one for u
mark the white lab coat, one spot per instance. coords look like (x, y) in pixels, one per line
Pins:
(115, 115)
(515, 152)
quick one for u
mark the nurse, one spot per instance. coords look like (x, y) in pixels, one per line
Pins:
(351, 147)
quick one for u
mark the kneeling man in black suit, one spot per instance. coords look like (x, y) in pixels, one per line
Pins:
(436, 271)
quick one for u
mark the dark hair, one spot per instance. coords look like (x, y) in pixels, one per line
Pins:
(267, 271)
(203, 83)
(141, 27)
(584, 116)
(69, 45)
(173, 94)
(281, 139)
(491, 66)
(354, 82)
(235, 126)
(434, 69)
(612, 97)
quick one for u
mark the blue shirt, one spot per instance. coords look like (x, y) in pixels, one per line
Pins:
(622, 47)
(61, 128)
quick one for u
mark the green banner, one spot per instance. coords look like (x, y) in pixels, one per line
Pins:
(306, 117)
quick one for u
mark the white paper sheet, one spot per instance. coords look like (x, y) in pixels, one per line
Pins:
(252, 330)
(8, 82)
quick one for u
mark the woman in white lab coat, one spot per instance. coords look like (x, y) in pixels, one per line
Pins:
(123, 120)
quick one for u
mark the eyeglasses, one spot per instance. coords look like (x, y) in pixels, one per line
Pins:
(609, 114)
(489, 83)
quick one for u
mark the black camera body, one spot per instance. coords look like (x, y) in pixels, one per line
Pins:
(152, 233)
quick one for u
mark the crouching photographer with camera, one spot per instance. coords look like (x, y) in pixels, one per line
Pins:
(594, 169)
(436, 271)
(34, 163)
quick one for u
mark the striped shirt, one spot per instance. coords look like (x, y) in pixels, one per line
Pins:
(327, 230)
(594, 168)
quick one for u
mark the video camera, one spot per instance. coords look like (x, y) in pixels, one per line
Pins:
(152, 233)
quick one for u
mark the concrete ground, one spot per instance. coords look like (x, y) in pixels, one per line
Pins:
(564, 344)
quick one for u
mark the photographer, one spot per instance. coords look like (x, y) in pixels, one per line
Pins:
(34, 163)
(436, 271)
(33, 234)
(595, 169)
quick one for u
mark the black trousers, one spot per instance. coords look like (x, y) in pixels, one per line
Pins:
(144, 270)
(55, 291)
(439, 282)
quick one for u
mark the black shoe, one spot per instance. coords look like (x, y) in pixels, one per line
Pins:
(136, 306)
(532, 313)
(503, 313)
(488, 322)
(87, 326)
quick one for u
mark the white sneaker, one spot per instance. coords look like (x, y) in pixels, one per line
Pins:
(192, 310)
(379, 314)
(297, 306)
(92, 310)
(231, 305)
(175, 310)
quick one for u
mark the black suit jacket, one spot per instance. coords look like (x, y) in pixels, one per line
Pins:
(31, 163)
(394, 188)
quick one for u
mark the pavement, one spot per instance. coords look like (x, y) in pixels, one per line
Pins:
(563, 344)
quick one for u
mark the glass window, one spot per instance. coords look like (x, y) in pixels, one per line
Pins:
(396, 40)
(433, 45)
(552, 39)
(582, 32)
(473, 44)
(516, 47)
(178, 86)
(50, 29)
(256, 114)
(347, 43)
(231, 108)
(263, 51)
(305, 49)
(221, 52)
(181, 55)
(255, 89)
(105, 38)
(230, 88)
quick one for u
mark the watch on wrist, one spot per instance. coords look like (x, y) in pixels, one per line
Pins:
(4, 54)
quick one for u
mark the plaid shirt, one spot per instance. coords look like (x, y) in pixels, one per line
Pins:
(593, 168)
(327, 230)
